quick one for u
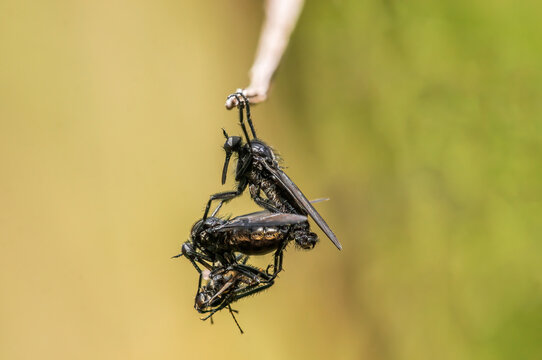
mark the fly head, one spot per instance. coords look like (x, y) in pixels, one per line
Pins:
(232, 144)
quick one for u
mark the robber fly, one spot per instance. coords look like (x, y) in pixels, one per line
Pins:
(227, 284)
(258, 168)
(215, 240)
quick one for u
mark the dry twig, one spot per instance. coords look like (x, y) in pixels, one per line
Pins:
(280, 19)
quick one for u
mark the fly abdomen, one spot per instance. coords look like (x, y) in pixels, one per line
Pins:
(265, 234)
(257, 234)
(258, 241)
(275, 196)
(272, 233)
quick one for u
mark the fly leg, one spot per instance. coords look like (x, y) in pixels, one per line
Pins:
(277, 265)
(196, 257)
(256, 275)
(242, 259)
(244, 103)
(224, 197)
(247, 110)
(241, 107)
(234, 319)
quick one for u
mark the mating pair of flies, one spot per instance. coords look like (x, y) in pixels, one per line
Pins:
(219, 248)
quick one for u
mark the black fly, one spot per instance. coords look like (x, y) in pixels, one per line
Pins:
(215, 240)
(258, 168)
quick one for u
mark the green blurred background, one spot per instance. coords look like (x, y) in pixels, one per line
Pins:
(421, 120)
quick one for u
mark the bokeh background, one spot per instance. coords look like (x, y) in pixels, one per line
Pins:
(421, 120)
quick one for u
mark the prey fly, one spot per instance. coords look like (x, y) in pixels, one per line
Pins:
(215, 240)
(226, 285)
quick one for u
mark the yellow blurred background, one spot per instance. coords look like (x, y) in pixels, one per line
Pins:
(421, 120)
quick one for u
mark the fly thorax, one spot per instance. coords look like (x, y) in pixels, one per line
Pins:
(257, 167)
(259, 148)
(204, 237)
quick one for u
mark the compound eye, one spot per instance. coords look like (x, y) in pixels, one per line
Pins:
(232, 143)
(196, 229)
(187, 249)
(201, 301)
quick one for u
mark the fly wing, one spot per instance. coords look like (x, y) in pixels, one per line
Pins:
(302, 201)
(267, 212)
(261, 219)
